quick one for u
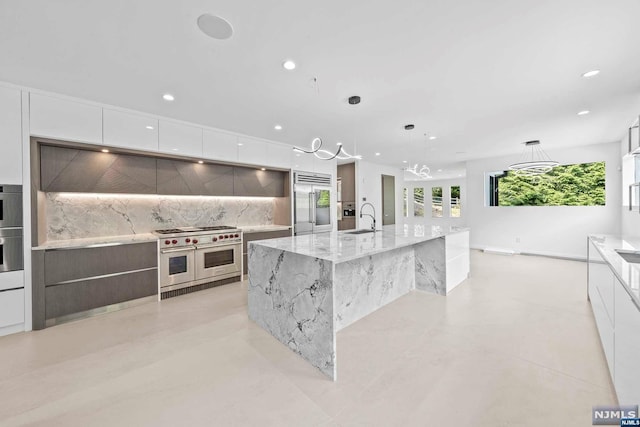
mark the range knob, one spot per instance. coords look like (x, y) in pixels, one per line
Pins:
(221, 237)
(195, 241)
(226, 236)
(187, 240)
(167, 242)
(215, 239)
(237, 235)
(174, 241)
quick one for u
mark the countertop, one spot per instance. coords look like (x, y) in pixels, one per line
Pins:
(97, 241)
(628, 273)
(263, 228)
(136, 238)
(341, 246)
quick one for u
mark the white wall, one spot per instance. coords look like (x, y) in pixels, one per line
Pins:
(428, 219)
(545, 230)
(369, 186)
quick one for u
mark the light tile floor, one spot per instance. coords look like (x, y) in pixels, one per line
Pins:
(516, 344)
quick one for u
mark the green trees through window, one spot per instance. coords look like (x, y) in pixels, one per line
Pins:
(569, 185)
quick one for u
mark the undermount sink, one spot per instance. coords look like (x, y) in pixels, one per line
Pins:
(360, 231)
(629, 256)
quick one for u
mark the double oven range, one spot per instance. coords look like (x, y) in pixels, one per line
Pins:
(195, 258)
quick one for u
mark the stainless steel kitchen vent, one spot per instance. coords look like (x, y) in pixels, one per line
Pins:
(309, 178)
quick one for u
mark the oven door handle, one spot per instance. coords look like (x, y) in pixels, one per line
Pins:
(168, 251)
(216, 246)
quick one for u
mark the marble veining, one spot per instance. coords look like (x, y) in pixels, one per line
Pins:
(363, 285)
(342, 246)
(78, 215)
(291, 296)
(430, 266)
(303, 289)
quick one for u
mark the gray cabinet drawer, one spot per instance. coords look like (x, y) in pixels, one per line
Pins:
(61, 300)
(72, 264)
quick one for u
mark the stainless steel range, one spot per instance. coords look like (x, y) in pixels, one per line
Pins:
(196, 258)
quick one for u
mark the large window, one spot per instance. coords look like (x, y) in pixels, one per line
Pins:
(569, 185)
(436, 202)
(456, 207)
(418, 201)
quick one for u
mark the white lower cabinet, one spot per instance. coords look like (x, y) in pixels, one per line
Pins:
(627, 348)
(11, 311)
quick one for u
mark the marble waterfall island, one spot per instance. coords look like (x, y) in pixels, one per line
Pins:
(304, 289)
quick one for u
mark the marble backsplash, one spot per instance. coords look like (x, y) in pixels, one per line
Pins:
(79, 215)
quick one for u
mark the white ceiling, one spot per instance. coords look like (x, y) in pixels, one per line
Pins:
(483, 76)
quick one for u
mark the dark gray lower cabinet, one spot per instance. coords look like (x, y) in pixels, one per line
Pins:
(70, 281)
(261, 235)
(62, 300)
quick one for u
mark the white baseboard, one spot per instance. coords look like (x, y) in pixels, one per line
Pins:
(12, 329)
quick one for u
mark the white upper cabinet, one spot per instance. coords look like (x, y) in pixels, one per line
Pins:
(10, 136)
(303, 162)
(220, 146)
(130, 130)
(279, 155)
(180, 139)
(62, 119)
(252, 151)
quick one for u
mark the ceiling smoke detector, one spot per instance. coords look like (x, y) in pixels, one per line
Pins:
(409, 127)
(354, 100)
(215, 26)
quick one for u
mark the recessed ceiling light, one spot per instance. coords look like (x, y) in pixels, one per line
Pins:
(591, 73)
(289, 65)
(168, 97)
(104, 150)
(439, 170)
(277, 127)
(149, 127)
(583, 112)
(240, 144)
(215, 26)
(297, 155)
(432, 137)
(174, 149)
(377, 154)
(200, 162)
(263, 169)
(404, 161)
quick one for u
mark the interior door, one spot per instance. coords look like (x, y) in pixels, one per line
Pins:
(388, 200)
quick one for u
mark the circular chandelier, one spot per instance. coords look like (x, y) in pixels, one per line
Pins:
(534, 162)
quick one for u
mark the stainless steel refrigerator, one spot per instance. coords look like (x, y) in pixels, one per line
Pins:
(311, 202)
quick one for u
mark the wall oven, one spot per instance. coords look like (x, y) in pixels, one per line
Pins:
(11, 257)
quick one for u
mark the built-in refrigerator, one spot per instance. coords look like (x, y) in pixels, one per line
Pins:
(311, 203)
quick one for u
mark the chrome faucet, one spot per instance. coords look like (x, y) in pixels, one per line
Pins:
(373, 217)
